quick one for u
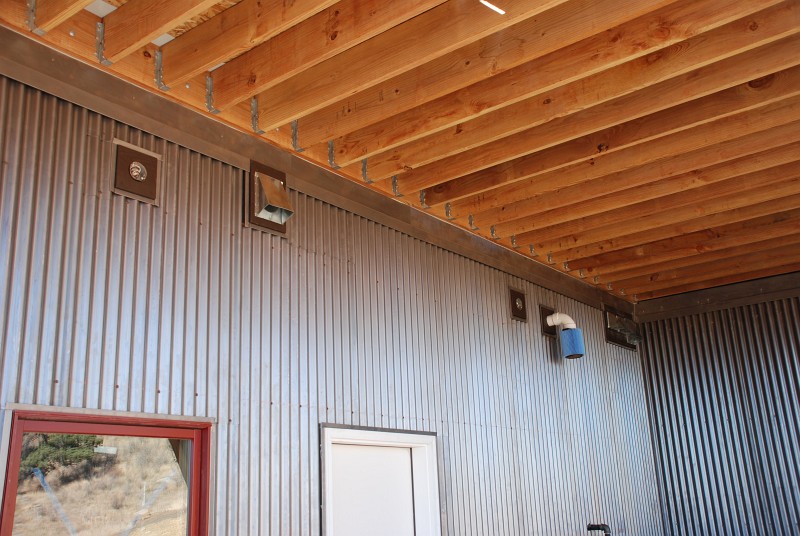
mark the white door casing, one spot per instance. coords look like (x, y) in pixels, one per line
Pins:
(379, 482)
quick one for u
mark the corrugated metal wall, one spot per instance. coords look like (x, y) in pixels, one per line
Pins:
(114, 304)
(724, 391)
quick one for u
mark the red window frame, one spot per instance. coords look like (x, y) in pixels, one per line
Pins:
(199, 433)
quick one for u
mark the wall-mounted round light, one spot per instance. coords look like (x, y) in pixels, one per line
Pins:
(138, 171)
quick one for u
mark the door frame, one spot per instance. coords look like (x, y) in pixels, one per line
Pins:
(424, 470)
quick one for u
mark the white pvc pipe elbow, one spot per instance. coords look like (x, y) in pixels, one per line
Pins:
(560, 319)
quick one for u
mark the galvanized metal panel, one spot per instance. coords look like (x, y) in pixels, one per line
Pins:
(111, 303)
(724, 393)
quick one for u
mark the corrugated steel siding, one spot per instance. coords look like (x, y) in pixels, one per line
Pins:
(724, 391)
(114, 304)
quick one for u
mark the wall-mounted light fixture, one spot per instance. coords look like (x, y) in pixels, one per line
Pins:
(136, 173)
(571, 337)
(268, 204)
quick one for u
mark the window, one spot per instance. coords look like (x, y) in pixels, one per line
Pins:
(70, 473)
(379, 482)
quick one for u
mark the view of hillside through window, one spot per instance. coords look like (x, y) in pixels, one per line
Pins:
(102, 485)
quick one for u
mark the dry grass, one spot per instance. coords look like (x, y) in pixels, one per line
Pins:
(105, 499)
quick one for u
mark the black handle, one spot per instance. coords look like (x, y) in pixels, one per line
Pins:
(605, 528)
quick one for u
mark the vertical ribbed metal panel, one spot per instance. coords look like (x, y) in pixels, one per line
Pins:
(114, 304)
(724, 393)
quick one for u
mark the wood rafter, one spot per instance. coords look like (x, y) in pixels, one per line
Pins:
(448, 27)
(762, 255)
(233, 32)
(323, 36)
(391, 116)
(50, 13)
(740, 155)
(671, 229)
(643, 183)
(646, 146)
(540, 99)
(641, 260)
(463, 174)
(775, 269)
(138, 22)
(572, 163)
(649, 128)
(657, 213)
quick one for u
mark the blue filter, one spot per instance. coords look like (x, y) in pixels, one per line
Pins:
(572, 343)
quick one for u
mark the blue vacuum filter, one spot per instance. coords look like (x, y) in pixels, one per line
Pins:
(572, 343)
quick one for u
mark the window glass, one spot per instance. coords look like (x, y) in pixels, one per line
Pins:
(102, 484)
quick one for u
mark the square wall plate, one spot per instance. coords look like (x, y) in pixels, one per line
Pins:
(544, 312)
(136, 173)
(519, 308)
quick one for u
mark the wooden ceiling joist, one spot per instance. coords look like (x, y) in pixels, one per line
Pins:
(572, 163)
(659, 213)
(232, 33)
(761, 255)
(635, 196)
(648, 214)
(538, 101)
(535, 41)
(735, 157)
(537, 123)
(138, 22)
(47, 14)
(648, 146)
(672, 229)
(535, 217)
(721, 281)
(467, 174)
(640, 184)
(323, 36)
(426, 37)
(641, 260)
(83, 24)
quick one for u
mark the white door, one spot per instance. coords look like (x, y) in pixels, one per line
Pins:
(372, 491)
(379, 483)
